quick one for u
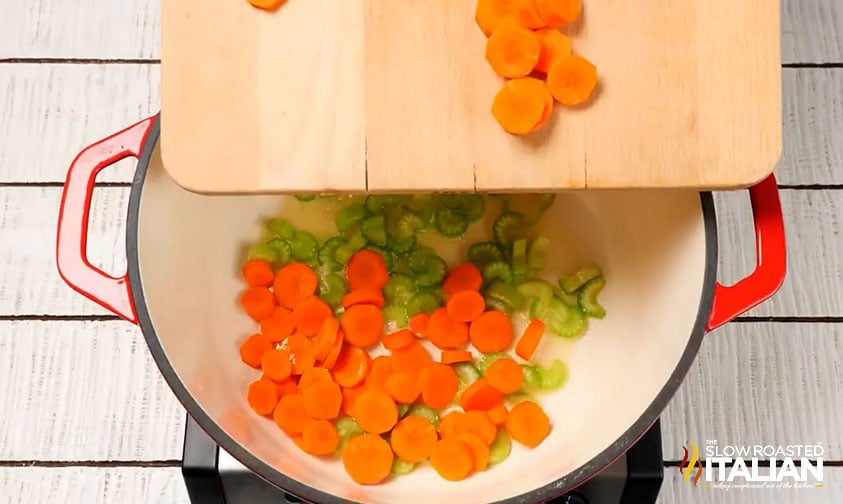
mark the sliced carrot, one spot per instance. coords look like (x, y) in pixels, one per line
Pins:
(498, 414)
(520, 104)
(418, 324)
(439, 384)
(287, 387)
(464, 277)
(252, 350)
(322, 400)
(352, 366)
(268, 5)
(480, 395)
(304, 357)
(452, 459)
(367, 459)
(294, 342)
(309, 315)
(479, 449)
(334, 353)
(554, 45)
(444, 332)
(276, 365)
(548, 109)
(413, 439)
(465, 306)
(363, 296)
(363, 325)
(513, 51)
(491, 332)
(293, 283)
(556, 13)
(455, 356)
(398, 339)
(349, 395)
(490, 14)
(319, 437)
(528, 424)
(279, 325)
(571, 80)
(404, 387)
(326, 337)
(258, 273)
(258, 302)
(366, 270)
(375, 411)
(313, 376)
(526, 346)
(505, 375)
(474, 422)
(379, 372)
(410, 359)
(262, 396)
(290, 414)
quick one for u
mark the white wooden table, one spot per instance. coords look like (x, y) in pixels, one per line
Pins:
(85, 416)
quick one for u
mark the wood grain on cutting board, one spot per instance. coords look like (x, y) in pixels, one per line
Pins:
(383, 95)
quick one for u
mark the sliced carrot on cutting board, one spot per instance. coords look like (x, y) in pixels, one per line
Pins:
(554, 45)
(513, 51)
(555, 13)
(520, 105)
(571, 80)
(490, 14)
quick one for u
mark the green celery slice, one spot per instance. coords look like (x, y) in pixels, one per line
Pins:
(422, 302)
(571, 284)
(483, 253)
(451, 222)
(349, 216)
(500, 448)
(538, 253)
(281, 228)
(304, 247)
(426, 412)
(587, 298)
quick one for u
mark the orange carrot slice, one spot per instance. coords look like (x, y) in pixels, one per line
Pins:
(465, 306)
(464, 277)
(413, 438)
(309, 315)
(439, 384)
(528, 424)
(520, 105)
(513, 51)
(322, 400)
(349, 395)
(258, 273)
(554, 45)
(319, 437)
(352, 366)
(474, 422)
(571, 80)
(258, 302)
(398, 339)
(411, 358)
(404, 387)
(418, 324)
(556, 13)
(452, 459)
(276, 365)
(279, 325)
(505, 375)
(262, 396)
(367, 459)
(455, 356)
(498, 414)
(491, 332)
(293, 283)
(366, 270)
(287, 387)
(375, 411)
(479, 449)
(363, 325)
(334, 353)
(252, 350)
(363, 296)
(444, 332)
(481, 396)
(290, 414)
(526, 346)
(379, 372)
(313, 376)
(326, 337)
(490, 14)
(304, 357)
(268, 5)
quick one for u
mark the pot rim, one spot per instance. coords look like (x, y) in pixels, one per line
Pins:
(312, 494)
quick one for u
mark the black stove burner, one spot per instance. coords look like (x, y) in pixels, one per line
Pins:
(214, 477)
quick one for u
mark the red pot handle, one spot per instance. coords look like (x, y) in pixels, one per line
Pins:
(111, 292)
(770, 258)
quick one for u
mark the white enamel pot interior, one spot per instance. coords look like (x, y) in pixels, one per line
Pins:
(653, 250)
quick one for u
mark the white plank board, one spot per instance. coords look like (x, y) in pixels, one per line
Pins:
(73, 391)
(676, 491)
(812, 30)
(92, 485)
(85, 485)
(813, 286)
(54, 111)
(761, 383)
(51, 112)
(80, 29)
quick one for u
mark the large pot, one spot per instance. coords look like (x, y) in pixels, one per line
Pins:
(658, 250)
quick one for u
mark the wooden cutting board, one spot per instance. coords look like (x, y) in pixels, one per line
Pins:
(395, 95)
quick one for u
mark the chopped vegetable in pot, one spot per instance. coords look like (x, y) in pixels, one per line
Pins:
(373, 349)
